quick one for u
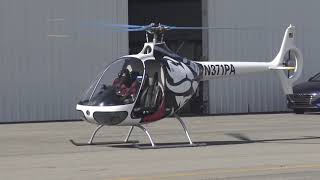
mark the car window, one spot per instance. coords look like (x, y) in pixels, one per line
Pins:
(315, 78)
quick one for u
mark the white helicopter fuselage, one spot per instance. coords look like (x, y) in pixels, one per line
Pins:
(178, 79)
(156, 83)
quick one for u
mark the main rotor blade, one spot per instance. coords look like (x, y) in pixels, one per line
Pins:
(208, 28)
(121, 25)
(136, 29)
(129, 28)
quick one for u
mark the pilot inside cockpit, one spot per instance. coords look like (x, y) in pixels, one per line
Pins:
(127, 85)
(123, 76)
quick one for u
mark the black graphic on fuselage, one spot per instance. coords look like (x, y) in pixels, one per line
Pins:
(182, 80)
(181, 77)
(219, 69)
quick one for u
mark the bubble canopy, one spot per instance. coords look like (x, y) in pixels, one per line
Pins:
(118, 84)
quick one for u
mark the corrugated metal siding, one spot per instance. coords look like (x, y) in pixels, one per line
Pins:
(258, 92)
(42, 77)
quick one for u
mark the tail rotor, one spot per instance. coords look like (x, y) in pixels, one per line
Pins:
(289, 61)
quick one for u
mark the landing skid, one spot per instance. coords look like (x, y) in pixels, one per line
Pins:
(140, 146)
(90, 142)
(158, 146)
(101, 143)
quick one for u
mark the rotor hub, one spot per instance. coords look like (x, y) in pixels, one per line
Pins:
(157, 31)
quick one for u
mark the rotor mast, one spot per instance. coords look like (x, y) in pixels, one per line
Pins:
(157, 31)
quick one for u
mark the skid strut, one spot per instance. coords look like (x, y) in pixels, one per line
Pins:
(129, 133)
(184, 127)
(94, 134)
(146, 131)
(90, 142)
(154, 146)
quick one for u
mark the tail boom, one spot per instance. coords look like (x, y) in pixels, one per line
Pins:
(213, 69)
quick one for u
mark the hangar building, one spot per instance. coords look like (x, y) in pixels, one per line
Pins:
(51, 50)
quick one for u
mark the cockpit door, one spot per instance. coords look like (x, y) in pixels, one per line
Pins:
(150, 105)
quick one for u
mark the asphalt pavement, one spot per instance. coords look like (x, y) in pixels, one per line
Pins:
(238, 147)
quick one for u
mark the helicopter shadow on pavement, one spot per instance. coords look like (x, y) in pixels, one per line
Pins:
(310, 113)
(242, 139)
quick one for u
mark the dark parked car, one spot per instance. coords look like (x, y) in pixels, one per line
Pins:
(306, 96)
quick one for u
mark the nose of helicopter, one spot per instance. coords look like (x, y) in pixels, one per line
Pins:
(103, 115)
(111, 97)
(86, 114)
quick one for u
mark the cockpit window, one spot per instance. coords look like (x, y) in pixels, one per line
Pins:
(118, 84)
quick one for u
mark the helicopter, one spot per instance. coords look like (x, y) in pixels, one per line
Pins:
(143, 88)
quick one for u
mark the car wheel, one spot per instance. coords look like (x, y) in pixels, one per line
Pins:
(298, 111)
